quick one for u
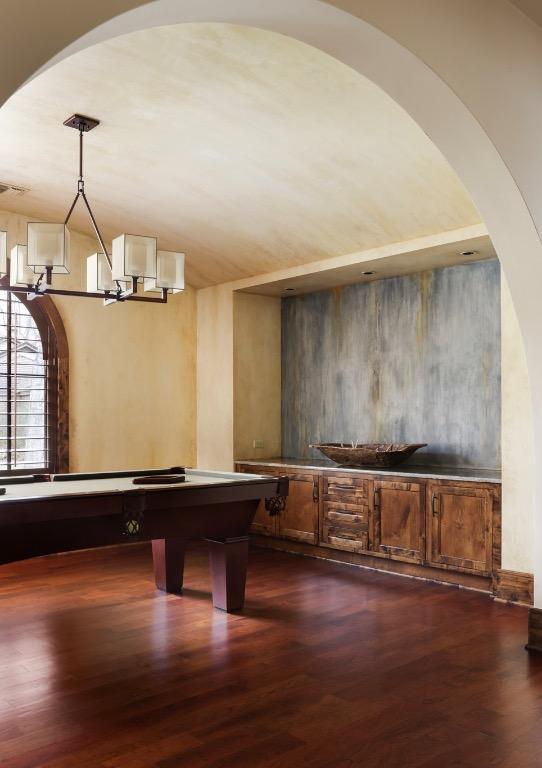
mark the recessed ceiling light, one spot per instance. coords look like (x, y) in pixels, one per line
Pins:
(468, 253)
(369, 272)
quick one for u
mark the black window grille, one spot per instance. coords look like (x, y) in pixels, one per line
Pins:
(24, 402)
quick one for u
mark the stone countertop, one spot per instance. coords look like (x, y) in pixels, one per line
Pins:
(412, 470)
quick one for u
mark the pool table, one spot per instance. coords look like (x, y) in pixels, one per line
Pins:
(44, 514)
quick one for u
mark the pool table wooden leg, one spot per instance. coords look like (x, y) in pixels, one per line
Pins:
(228, 559)
(168, 560)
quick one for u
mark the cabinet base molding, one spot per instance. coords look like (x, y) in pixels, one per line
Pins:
(424, 572)
(513, 587)
(534, 642)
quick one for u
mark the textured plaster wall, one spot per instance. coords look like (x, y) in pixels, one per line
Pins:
(413, 359)
(256, 372)
(132, 372)
(215, 378)
(518, 470)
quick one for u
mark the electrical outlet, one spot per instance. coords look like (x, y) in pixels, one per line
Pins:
(257, 443)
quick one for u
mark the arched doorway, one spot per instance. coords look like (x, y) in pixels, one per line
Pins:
(437, 103)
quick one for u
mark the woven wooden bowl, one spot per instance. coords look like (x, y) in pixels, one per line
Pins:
(368, 454)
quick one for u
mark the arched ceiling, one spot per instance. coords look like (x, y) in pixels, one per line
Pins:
(531, 8)
(247, 149)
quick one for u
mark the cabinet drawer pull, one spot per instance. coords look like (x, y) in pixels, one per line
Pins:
(338, 487)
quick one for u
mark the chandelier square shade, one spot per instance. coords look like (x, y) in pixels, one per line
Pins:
(3, 253)
(48, 247)
(169, 273)
(133, 256)
(20, 272)
(99, 278)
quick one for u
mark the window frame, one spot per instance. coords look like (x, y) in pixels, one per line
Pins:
(55, 351)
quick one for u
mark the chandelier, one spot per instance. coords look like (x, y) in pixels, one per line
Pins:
(134, 261)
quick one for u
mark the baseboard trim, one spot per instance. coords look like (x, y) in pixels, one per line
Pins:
(534, 642)
(370, 562)
(513, 587)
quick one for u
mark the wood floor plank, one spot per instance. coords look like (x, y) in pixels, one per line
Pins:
(327, 667)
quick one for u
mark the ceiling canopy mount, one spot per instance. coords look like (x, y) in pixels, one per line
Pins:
(81, 123)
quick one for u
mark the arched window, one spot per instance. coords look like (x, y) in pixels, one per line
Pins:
(33, 386)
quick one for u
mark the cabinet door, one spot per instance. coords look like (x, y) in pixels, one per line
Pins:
(461, 527)
(399, 520)
(299, 519)
(263, 523)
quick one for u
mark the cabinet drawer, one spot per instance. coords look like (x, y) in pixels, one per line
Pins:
(341, 513)
(340, 486)
(349, 539)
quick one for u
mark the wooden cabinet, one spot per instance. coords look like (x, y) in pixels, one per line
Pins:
(460, 525)
(424, 522)
(399, 519)
(299, 519)
(263, 523)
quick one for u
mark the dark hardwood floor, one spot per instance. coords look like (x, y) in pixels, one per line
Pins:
(328, 666)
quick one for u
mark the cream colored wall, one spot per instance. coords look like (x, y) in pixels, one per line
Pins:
(132, 372)
(215, 378)
(256, 375)
(518, 471)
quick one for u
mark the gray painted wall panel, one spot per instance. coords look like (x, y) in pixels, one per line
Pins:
(408, 359)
